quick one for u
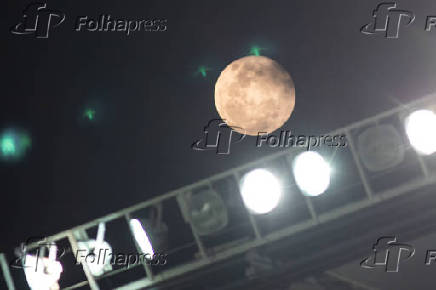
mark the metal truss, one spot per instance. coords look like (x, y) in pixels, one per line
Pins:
(205, 259)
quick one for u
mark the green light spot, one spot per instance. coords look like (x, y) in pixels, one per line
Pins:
(255, 50)
(13, 144)
(8, 146)
(89, 114)
(202, 70)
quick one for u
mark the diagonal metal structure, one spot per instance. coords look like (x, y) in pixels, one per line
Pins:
(207, 257)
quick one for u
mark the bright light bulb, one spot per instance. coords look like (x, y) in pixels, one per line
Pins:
(261, 191)
(42, 273)
(312, 173)
(421, 130)
(141, 237)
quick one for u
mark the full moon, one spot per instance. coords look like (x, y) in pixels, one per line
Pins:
(254, 94)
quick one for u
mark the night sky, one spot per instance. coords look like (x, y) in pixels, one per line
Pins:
(150, 105)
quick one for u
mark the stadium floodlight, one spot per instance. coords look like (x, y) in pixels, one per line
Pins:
(141, 237)
(43, 273)
(380, 147)
(96, 253)
(208, 212)
(312, 173)
(421, 129)
(261, 191)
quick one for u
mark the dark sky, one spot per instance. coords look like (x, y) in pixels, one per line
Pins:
(151, 108)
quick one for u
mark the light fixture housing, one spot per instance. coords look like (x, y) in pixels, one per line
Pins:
(208, 212)
(380, 147)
